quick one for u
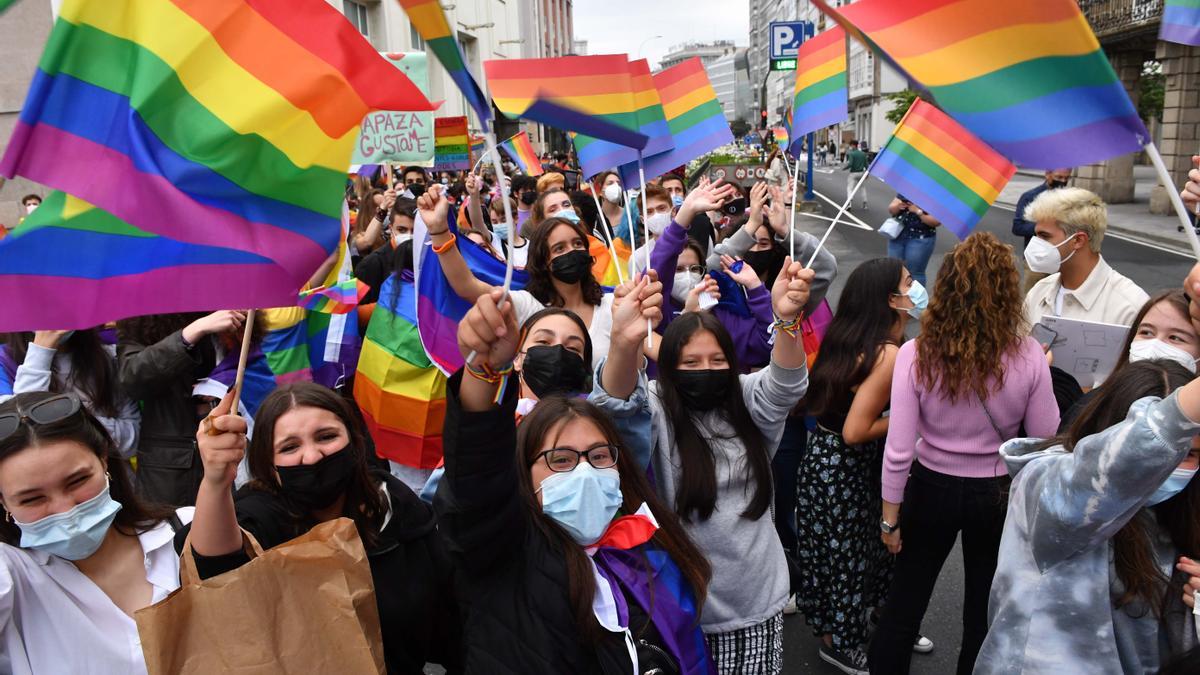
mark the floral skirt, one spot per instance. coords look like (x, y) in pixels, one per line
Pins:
(845, 569)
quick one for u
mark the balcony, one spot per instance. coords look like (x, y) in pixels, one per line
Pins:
(1115, 19)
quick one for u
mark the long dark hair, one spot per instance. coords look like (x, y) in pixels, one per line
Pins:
(135, 516)
(541, 282)
(93, 369)
(364, 502)
(1133, 555)
(1174, 297)
(697, 493)
(862, 326)
(553, 413)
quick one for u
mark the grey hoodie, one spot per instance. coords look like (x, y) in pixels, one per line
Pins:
(1052, 608)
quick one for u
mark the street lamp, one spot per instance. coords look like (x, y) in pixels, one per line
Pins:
(649, 39)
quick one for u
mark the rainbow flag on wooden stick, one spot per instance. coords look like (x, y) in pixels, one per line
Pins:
(820, 99)
(521, 150)
(1026, 76)
(430, 22)
(1181, 22)
(942, 168)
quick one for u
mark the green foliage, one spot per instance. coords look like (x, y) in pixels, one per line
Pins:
(739, 127)
(1151, 91)
(902, 100)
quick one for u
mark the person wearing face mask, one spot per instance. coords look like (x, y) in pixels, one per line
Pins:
(714, 432)
(702, 228)
(499, 222)
(559, 266)
(572, 562)
(966, 385)
(29, 204)
(1098, 517)
(1079, 284)
(1025, 229)
(658, 209)
(524, 191)
(416, 181)
(916, 241)
(79, 552)
(607, 184)
(844, 568)
(309, 464)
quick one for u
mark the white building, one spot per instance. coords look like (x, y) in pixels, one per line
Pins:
(730, 77)
(707, 51)
(868, 79)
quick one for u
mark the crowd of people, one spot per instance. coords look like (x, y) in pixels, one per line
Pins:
(648, 476)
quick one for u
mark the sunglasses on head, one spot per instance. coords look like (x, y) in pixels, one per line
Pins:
(50, 411)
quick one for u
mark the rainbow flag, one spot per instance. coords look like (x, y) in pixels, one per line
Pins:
(820, 98)
(450, 150)
(439, 309)
(1181, 22)
(1026, 76)
(781, 136)
(401, 393)
(605, 268)
(225, 123)
(600, 86)
(942, 168)
(521, 150)
(430, 22)
(478, 146)
(338, 298)
(72, 265)
(561, 116)
(694, 115)
(285, 345)
(652, 121)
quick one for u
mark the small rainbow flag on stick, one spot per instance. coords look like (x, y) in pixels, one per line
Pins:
(1026, 76)
(1181, 22)
(337, 298)
(429, 20)
(694, 115)
(821, 96)
(942, 168)
(521, 150)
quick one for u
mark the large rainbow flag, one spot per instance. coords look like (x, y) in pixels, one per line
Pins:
(521, 150)
(942, 168)
(401, 393)
(1181, 22)
(651, 119)
(1026, 76)
(601, 86)
(694, 116)
(820, 99)
(429, 20)
(223, 123)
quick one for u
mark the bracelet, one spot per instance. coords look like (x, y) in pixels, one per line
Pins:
(492, 376)
(446, 246)
(381, 215)
(438, 234)
(789, 326)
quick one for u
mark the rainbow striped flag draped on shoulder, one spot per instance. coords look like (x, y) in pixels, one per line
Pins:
(942, 168)
(219, 123)
(1027, 77)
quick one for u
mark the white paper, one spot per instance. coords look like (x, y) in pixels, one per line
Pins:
(1088, 350)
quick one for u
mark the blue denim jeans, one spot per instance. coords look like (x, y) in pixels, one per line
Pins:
(915, 252)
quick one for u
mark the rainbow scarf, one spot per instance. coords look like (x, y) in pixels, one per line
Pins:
(694, 116)
(1181, 22)
(224, 123)
(1026, 76)
(430, 23)
(942, 168)
(521, 151)
(820, 99)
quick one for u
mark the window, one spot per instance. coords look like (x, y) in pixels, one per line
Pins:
(357, 14)
(415, 38)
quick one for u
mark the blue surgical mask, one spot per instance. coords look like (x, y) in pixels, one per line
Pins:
(501, 229)
(1173, 485)
(919, 297)
(74, 534)
(583, 500)
(677, 200)
(568, 214)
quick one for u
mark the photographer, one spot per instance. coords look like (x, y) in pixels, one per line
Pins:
(915, 243)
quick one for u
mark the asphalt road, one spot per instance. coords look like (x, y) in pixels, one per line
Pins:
(1151, 268)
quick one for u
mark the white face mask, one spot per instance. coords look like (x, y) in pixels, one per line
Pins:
(1043, 257)
(30, 208)
(401, 238)
(612, 192)
(684, 283)
(1148, 350)
(657, 223)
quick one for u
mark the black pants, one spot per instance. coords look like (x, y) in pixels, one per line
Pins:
(785, 467)
(936, 508)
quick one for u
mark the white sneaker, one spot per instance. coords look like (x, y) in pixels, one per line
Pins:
(922, 645)
(790, 608)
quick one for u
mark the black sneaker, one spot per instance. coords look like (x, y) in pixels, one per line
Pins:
(850, 661)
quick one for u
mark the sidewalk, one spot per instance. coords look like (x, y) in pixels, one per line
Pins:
(1128, 221)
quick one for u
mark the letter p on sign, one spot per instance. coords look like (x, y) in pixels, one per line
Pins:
(786, 38)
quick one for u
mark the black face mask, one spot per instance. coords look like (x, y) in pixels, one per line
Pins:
(702, 390)
(528, 198)
(316, 486)
(761, 261)
(417, 189)
(551, 369)
(1054, 184)
(570, 268)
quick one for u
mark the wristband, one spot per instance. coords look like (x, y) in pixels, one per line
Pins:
(446, 246)
(789, 326)
(381, 215)
(490, 375)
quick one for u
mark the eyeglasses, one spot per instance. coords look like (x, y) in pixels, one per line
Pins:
(50, 411)
(694, 269)
(562, 460)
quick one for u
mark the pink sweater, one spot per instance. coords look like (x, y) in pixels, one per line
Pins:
(956, 438)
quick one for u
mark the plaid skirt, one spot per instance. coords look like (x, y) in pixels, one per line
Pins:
(756, 650)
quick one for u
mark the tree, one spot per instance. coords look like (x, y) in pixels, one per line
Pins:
(739, 127)
(1151, 91)
(902, 101)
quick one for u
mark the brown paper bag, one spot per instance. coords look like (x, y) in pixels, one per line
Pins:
(305, 606)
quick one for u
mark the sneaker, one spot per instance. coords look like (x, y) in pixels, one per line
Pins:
(922, 645)
(850, 661)
(790, 608)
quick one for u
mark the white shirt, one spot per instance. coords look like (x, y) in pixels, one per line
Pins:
(520, 254)
(526, 306)
(1104, 297)
(53, 619)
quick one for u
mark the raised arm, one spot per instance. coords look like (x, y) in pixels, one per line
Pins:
(372, 236)
(433, 209)
(634, 302)
(215, 530)
(706, 197)
(145, 370)
(475, 207)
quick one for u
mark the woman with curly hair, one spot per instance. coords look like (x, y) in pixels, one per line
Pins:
(966, 385)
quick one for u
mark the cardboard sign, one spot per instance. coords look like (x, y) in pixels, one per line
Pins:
(399, 136)
(451, 149)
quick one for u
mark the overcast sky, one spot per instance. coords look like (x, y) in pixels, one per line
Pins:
(621, 26)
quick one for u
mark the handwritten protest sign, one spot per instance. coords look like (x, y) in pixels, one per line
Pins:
(398, 136)
(452, 150)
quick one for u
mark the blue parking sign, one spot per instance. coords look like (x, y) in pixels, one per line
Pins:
(786, 38)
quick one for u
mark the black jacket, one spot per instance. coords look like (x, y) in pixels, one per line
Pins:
(519, 618)
(413, 580)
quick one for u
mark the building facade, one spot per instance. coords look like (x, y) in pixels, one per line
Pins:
(730, 77)
(708, 52)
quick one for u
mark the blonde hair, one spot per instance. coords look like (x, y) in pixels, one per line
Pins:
(549, 180)
(1074, 210)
